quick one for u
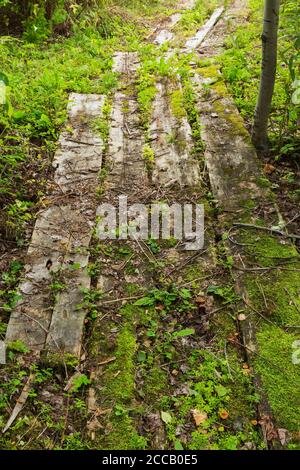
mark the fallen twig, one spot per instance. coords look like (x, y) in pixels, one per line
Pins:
(187, 261)
(107, 361)
(20, 403)
(257, 312)
(267, 229)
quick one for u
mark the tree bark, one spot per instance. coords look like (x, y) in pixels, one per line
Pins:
(268, 74)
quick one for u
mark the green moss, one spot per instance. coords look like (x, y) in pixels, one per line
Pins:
(280, 377)
(279, 286)
(155, 384)
(149, 157)
(177, 104)
(118, 388)
(123, 436)
(210, 71)
(263, 182)
(276, 296)
(269, 249)
(249, 204)
(237, 126)
(120, 374)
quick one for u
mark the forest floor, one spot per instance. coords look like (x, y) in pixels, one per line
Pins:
(141, 344)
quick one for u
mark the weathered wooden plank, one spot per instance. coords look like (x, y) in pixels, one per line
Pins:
(126, 137)
(166, 34)
(61, 237)
(171, 141)
(195, 41)
(229, 154)
(79, 154)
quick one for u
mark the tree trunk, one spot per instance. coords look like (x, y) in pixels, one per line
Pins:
(268, 74)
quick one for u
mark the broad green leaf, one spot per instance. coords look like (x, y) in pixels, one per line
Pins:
(178, 445)
(186, 332)
(166, 417)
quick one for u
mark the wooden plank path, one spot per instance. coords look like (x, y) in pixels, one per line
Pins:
(53, 321)
(61, 237)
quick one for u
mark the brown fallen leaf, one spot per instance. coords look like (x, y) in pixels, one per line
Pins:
(92, 427)
(199, 416)
(160, 307)
(268, 428)
(269, 169)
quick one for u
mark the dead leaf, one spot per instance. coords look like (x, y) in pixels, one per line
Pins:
(160, 307)
(223, 414)
(268, 428)
(283, 435)
(92, 427)
(199, 416)
(269, 169)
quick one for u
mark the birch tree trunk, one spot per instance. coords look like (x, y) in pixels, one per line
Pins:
(268, 74)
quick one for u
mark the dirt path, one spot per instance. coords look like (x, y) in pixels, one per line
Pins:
(165, 339)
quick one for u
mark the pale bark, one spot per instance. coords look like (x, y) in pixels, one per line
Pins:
(268, 75)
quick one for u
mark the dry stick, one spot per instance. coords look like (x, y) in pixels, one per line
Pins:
(262, 293)
(121, 300)
(227, 362)
(20, 403)
(293, 219)
(145, 253)
(65, 421)
(234, 241)
(267, 268)
(196, 280)
(257, 312)
(30, 428)
(267, 229)
(107, 361)
(37, 438)
(294, 303)
(191, 258)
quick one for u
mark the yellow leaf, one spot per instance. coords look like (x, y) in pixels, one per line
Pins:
(223, 414)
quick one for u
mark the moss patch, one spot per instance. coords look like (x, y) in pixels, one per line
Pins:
(280, 377)
(177, 104)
